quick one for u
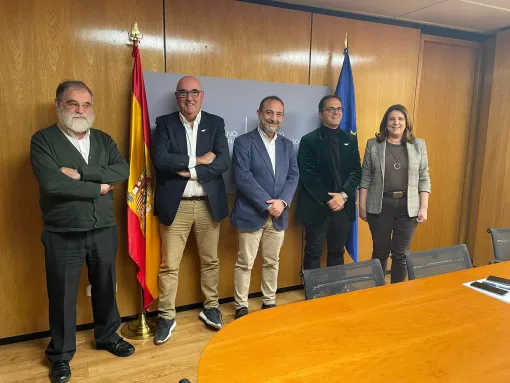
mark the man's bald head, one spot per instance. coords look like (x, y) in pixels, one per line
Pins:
(188, 82)
(189, 96)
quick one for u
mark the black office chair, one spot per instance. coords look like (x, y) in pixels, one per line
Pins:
(423, 264)
(342, 279)
(500, 244)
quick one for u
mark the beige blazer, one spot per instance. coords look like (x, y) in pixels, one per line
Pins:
(372, 177)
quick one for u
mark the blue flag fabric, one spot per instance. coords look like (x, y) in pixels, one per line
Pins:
(345, 90)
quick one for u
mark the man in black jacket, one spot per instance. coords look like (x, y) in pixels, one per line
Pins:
(330, 173)
(190, 154)
(76, 168)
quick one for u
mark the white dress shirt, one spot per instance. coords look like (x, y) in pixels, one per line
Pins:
(193, 187)
(270, 145)
(82, 145)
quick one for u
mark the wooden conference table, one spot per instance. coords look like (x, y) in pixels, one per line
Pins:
(428, 330)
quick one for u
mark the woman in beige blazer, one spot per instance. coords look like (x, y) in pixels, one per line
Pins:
(394, 189)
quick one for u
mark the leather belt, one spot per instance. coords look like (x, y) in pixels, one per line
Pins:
(197, 198)
(395, 194)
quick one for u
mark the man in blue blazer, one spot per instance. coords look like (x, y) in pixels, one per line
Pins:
(190, 154)
(266, 177)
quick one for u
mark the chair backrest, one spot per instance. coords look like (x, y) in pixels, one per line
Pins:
(342, 279)
(438, 261)
(500, 244)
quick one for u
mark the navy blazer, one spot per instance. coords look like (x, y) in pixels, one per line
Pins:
(170, 154)
(256, 182)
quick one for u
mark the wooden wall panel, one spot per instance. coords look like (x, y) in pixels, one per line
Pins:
(443, 118)
(384, 61)
(488, 56)
(232, 39)
(47, 42)
(494, 204)
(44, 43)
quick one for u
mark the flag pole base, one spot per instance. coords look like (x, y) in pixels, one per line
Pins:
(140, 328)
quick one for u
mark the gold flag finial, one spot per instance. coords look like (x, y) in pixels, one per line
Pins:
(135, 36)
(346, 41)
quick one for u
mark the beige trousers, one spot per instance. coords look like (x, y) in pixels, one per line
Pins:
(196, 214)
(249, 241)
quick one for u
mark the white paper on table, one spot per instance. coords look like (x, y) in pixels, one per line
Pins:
(504, 298)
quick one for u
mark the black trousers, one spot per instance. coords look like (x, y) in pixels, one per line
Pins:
(392, 231)
(65, 253)
(334, 229)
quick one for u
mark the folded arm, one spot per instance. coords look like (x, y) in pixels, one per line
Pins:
(51, 179)
(163, 159)
(115, 172)
(221, 163)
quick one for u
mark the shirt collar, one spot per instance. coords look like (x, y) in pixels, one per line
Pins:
(265, 137)
(186, 123)
(67, 132)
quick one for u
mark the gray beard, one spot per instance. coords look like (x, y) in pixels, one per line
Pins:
(76, 125)
(268, 130)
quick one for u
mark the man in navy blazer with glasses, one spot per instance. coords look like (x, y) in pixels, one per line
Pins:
(190, 154)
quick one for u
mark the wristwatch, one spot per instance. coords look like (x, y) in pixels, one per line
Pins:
(344, 196)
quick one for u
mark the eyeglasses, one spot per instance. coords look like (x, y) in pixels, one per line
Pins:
(73, 105)
(332, 110)
(184, 93)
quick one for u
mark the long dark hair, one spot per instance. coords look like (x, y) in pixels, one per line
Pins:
(408, 132)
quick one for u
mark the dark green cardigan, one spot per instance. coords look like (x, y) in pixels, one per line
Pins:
(76, 205)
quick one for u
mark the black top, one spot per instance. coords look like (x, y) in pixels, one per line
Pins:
(397, 167)
(333, 138)
(316, 174)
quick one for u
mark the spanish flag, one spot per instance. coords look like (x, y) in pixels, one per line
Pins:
(143, 226)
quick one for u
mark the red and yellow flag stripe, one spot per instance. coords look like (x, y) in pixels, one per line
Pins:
(143, 226)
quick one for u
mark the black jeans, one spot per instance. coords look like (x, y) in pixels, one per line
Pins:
(334, 229)
(392, 230)
(65, 253)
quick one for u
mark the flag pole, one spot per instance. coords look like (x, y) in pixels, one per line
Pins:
(135, 36)
(345, 90)
(141, 327)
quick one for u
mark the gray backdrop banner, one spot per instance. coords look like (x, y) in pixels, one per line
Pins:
(237, 101)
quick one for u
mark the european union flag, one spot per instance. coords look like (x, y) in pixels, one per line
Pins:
(345, 90)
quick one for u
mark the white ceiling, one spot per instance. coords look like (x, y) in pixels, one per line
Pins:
(485, 16)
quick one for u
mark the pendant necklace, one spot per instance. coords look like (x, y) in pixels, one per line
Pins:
(396, 165)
